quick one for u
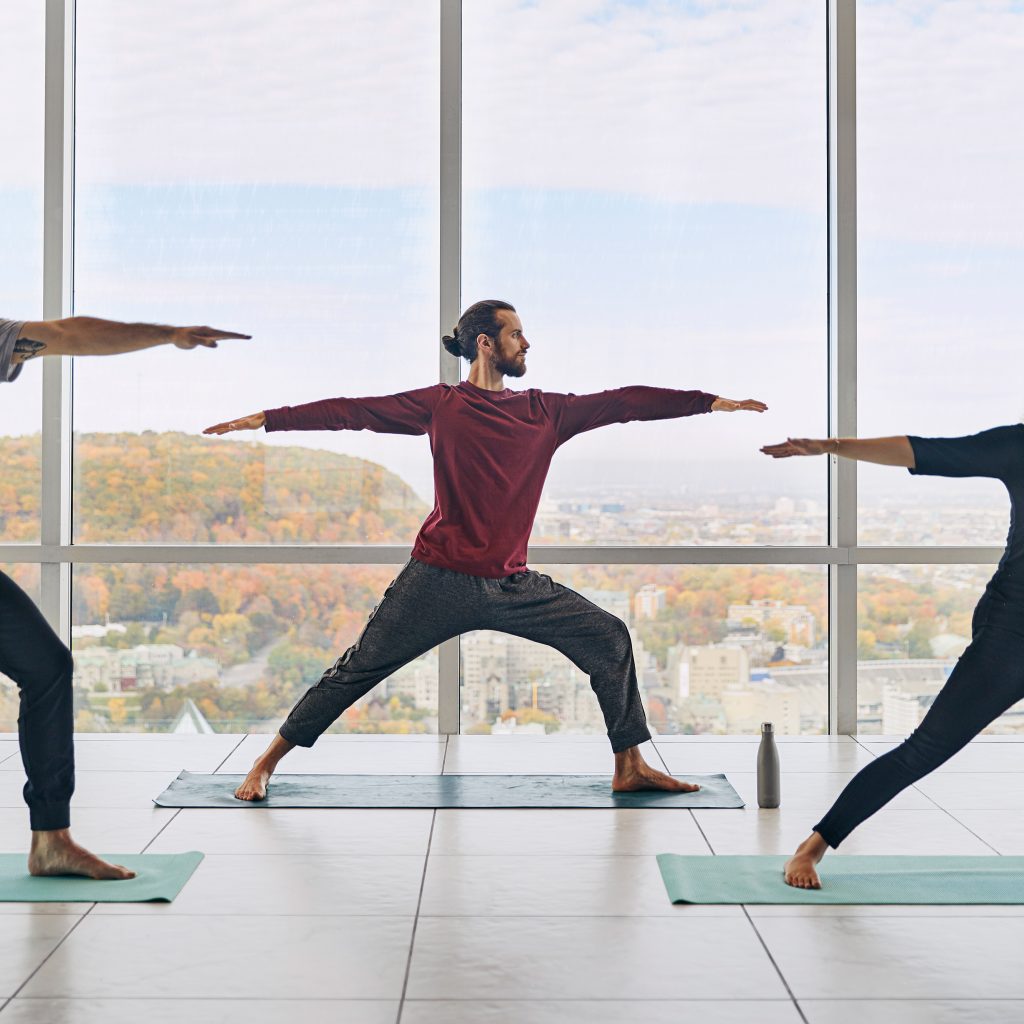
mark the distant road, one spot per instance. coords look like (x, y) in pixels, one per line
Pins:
(250, 672)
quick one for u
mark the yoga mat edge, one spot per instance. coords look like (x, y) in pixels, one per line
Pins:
(159, 879)
(847, 880)
(193, 789)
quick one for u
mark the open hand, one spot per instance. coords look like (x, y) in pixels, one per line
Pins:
(253, 422)
(798, 446)
(207, 337)
(730, 405)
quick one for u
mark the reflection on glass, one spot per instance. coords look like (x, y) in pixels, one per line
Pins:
(21, 257)
(292, 194)
(913, 623)
(940, 252)
(718, 649)
(646, 183)
(229, 648)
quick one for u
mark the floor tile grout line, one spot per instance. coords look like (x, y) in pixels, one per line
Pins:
(524, 999)
(161, 831)
(72, 929)
(416, 919)
(227, 756)
(702, 832)
(778, 970)
(46, 959)
(939, 806)
(760, 939)
(661, 757)
(950, 814)
(241, 740)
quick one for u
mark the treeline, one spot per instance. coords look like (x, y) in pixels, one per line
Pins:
(192, 489)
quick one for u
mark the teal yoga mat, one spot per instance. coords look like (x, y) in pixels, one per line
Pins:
(191, 789)
(158, 877)
(846, 880)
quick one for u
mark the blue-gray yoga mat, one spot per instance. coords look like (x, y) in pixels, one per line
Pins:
(158, 876)
(846, 880)
(191, 789)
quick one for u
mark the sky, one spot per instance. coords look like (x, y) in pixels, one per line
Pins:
(645, 181)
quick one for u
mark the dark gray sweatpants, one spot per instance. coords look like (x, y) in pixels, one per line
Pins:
(425, 605)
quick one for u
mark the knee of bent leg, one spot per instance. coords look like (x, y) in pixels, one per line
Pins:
(56, 662)
(618, 635)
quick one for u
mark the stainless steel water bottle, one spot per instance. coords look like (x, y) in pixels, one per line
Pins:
(769, 788)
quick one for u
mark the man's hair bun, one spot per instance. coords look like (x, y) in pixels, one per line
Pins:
(452, 344)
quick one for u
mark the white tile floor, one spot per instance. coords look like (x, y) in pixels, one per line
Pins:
(542, 917)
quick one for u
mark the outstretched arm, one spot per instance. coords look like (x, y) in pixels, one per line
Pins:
(885, 451)
(89, 336)
(575, 414)
(406, 413)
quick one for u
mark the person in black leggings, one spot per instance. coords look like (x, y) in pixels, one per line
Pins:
(988, 678)
(31, 653)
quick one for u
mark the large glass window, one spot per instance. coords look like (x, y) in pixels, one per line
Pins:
(913, 623)
(229, 648)
(21, 257)
(272, 170)
(647, 184)
(719, 649)
(941, 251)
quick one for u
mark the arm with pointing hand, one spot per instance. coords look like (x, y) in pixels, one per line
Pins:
(884, 451)
(90, 336)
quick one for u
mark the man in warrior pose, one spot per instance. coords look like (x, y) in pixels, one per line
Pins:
(30, 652)
(492, 447)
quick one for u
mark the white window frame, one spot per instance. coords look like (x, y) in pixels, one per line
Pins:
(56, 554)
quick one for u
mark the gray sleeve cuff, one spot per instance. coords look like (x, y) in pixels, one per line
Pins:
(9, 331)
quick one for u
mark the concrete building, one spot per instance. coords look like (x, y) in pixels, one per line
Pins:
(648, 602)
(714, 668)
(747, 707)
(796, 621)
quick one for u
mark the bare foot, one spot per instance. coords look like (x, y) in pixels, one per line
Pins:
(255, 785)
(800, 870)
(54, 852)
(633, 773)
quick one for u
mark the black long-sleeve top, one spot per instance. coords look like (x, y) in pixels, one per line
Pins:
(996, 453)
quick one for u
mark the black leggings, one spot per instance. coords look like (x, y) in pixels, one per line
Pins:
(988, 679)
(32, 655)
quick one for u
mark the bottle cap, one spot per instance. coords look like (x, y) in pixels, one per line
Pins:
(767, 727)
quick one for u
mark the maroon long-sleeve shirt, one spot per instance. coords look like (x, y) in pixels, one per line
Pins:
(492, 450)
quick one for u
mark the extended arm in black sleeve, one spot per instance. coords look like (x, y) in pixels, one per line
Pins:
(997, 453)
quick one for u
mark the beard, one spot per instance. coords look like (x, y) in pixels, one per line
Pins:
(514, 367)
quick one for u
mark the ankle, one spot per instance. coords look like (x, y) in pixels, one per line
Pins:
(50, 837)
(814, 844)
